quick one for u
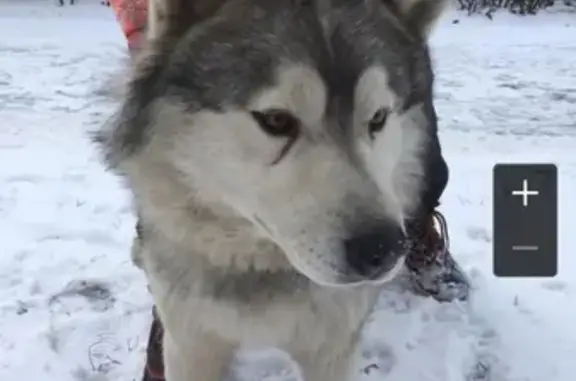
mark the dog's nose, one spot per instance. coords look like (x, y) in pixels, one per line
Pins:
(374, 252)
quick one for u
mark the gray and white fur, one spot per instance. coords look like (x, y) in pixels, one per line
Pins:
(275, 150)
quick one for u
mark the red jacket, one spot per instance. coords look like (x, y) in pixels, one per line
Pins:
(132, 16)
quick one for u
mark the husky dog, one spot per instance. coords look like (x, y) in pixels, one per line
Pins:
(275, 150)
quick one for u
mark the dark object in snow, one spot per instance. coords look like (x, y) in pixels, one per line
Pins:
(518, 7)
(370, 368)
(433, 270)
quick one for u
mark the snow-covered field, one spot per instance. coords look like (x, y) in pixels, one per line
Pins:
(72, 306)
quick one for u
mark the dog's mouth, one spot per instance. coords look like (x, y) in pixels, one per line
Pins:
(374, 268)
(373, 254)
(383, 272)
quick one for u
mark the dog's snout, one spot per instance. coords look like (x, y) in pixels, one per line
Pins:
(374, 252)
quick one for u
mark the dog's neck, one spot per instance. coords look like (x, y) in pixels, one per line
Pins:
(196, 232)
(233, 262)
(215, 232)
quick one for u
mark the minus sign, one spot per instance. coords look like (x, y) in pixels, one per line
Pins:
(524, 248)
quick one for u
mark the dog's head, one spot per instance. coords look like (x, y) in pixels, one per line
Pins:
(309, 119)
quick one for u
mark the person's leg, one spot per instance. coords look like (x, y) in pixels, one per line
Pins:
(132, 16)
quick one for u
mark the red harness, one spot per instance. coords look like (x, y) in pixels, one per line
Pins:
(154, 370)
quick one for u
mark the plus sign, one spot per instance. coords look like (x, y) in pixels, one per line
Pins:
(525, 192)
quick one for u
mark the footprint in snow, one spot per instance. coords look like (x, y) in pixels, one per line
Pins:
(97, 293)
(477, 233)
(379, 357)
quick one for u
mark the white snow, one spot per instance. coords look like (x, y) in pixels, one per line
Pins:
(506, 92)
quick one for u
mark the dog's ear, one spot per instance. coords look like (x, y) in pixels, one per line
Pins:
(420, 16)
(170, 19)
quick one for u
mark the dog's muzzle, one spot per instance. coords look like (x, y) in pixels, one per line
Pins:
(373, 253)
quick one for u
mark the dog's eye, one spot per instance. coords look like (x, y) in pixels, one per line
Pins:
(277, 123)
(377, 122)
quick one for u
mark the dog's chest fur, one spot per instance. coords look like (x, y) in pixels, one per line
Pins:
(255, 307)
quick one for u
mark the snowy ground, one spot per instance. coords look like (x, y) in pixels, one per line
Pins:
(72, 307)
